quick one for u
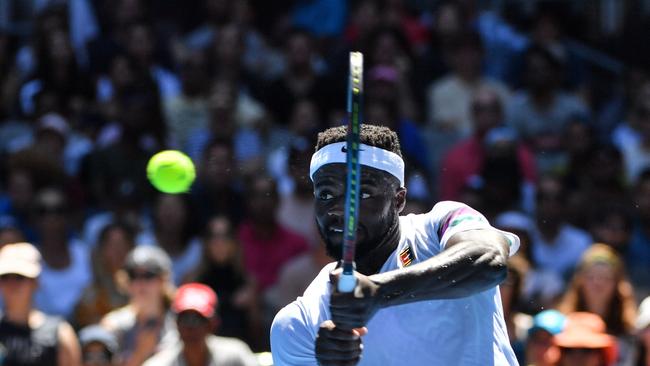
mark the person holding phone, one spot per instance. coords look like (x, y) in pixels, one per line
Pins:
(145, 325)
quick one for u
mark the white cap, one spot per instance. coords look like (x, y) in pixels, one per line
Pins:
(20, 258)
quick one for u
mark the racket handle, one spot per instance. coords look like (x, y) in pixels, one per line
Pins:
(347, 282)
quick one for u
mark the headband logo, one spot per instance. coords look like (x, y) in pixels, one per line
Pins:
(344, 149)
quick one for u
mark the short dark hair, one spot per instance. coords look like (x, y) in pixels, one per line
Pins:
(372, 135)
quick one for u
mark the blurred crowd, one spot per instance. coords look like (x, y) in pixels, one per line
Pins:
(499, 107)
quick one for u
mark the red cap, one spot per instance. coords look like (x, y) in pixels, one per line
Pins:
(197, 297)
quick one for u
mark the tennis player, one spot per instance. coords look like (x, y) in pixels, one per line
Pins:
(426, 290)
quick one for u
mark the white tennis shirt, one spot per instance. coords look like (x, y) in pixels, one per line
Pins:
(459, 332)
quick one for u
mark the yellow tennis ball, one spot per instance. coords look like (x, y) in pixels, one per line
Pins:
(171, 171)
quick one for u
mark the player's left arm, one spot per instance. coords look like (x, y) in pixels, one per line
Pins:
(472, 261)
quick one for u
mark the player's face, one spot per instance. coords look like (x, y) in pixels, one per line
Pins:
(379, 207)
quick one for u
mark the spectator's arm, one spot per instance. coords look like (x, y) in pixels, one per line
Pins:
(69, 352)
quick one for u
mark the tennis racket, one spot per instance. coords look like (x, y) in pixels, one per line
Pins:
(347, 281)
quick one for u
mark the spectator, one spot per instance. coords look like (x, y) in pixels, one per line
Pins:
(600, 286)
(267, 245)
(141, 44)
(584, 341)
(122, 158)
(145, 325)
(556, 245)
(638, 253)
(98, 346)
(450, 98)
(66, 259)
(189, 110)
(635, 151)
(301, 80)
(387, 104)
(466, 158)
(57, 73)
(57, 141)
(126, 205)
(27, 172)
(297, 204)
(391, 60)
(174, 231)
(540, 348)
(104, 294)
(596, 184)
(195, 308)
(540, 112)
(642, 326)
(51, 341)
(449, 20)
(258, 57)
(233, 116)
(216, 191)
(221, 268)
(612, 226)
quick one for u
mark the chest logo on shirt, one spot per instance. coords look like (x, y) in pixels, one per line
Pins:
(406, 256)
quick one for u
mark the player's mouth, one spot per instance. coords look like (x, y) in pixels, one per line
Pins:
(336, 230)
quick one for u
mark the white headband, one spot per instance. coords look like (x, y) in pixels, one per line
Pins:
(368, 155)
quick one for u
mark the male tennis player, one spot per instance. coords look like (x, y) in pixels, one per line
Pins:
(426, 290)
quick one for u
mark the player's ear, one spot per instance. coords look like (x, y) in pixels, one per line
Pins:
(400, 199)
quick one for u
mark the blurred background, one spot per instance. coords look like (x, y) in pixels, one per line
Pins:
(536, 113)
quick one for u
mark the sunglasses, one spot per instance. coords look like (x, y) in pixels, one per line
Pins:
(13, 277)
(142, 275)
(191, 319)
(580, 351)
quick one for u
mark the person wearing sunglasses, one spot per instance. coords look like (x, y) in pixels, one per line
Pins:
(28, 336)
(195, 308)
(146, 324)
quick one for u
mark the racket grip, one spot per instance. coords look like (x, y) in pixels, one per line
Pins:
(347, 282)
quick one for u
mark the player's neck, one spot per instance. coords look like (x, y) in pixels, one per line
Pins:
(376, 258)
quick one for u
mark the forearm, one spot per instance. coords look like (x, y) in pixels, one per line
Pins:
(464, 269)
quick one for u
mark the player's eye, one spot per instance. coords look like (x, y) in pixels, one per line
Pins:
(365, 195)
(324, 196)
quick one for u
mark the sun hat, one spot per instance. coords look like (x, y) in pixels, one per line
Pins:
(587, 330)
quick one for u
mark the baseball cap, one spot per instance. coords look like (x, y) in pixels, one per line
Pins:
(96, 333)
(643, 318)
(587, 330)
(20, 258)
(148, 257)
(551, 321)
(197, 297)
